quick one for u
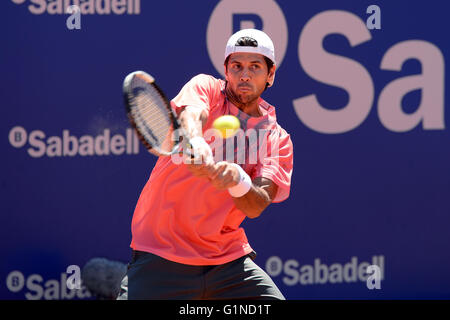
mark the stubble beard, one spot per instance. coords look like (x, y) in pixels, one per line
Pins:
(239, 100)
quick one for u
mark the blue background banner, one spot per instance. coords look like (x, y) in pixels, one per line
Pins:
(361, 90)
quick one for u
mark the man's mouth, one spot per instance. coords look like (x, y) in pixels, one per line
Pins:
(244, 88)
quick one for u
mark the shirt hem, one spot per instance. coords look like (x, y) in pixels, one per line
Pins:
(194, 261)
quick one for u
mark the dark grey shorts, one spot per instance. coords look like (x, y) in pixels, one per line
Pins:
(152, 277)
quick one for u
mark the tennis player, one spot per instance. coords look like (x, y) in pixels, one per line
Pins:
(187, 242)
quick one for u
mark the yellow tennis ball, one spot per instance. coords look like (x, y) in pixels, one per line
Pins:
(227, 125)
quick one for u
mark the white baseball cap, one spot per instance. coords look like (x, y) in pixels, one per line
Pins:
(264, 44)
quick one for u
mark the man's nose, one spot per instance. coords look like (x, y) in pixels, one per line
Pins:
(245, 75)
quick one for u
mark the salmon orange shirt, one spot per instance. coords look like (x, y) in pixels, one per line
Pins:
(184, 218)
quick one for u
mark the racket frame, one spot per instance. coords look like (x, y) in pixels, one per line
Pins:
(177, 129)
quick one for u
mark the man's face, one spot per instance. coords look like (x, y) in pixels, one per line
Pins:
(247, 76)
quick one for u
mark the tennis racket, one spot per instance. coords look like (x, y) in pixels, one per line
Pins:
(151, 115)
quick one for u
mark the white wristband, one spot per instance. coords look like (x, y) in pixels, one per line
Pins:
(244, 185)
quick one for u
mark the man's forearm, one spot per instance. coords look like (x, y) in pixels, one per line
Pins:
(258, 198)
(253, 203)
(192, 120)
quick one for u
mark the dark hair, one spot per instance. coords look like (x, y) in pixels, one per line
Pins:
(246, 42)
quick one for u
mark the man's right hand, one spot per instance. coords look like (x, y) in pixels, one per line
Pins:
(201, 164)
(201, 151)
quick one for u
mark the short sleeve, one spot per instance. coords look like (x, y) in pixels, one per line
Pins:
(277, 165)
(198, 92)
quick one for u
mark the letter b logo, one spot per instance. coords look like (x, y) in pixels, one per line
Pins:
(241, 21)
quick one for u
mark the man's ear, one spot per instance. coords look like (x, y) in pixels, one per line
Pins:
(271, 76)
(225, 72)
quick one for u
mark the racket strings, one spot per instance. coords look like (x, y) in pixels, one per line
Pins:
(147, 110)
(151, 116)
